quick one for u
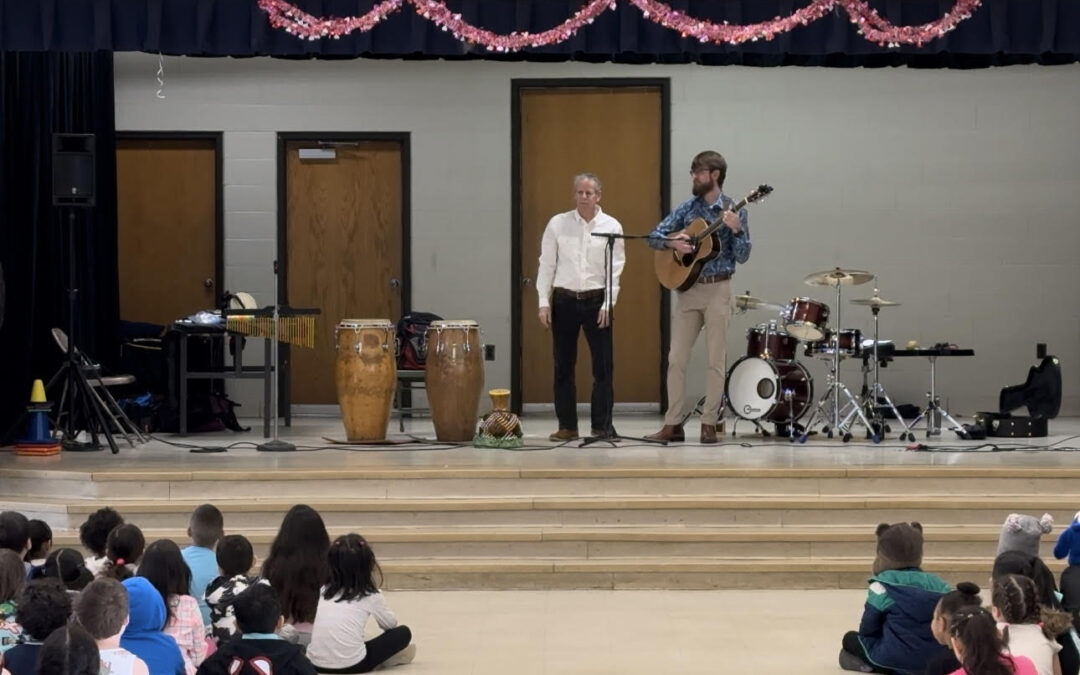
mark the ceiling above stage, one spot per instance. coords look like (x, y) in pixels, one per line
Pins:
(997, 32)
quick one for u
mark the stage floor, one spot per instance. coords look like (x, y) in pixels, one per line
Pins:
(745, 450)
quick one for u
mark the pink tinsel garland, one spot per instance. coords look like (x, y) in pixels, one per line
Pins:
(868, 22)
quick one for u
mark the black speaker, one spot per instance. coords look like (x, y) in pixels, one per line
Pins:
(73, 169)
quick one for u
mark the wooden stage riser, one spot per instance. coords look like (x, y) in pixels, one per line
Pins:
(651, 581)
(360, 518)
(211, 490)
(635, 549)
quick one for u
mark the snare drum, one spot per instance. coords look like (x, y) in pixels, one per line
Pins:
(848, 342)
(761, 389)
(806, 319)
(768, 340)
(454, 376)
(366, 374)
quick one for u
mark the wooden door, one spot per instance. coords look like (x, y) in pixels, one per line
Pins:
(166, 192)
(344, 233)
(615, 133)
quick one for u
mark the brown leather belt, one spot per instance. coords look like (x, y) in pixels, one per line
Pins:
(579, 295)
(714, 278)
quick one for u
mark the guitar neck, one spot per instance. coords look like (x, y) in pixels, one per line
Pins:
(719, 222)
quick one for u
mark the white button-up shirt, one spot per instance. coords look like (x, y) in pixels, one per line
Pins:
(571, 258)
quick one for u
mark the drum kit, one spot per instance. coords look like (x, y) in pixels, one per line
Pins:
(769, 384)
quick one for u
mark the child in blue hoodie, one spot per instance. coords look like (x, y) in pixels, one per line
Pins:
(143, 636)
(895, 635)
(1068, 546)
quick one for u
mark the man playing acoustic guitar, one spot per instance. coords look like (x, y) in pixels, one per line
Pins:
(708, 301)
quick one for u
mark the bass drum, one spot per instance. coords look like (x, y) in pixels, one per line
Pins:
(757, 389)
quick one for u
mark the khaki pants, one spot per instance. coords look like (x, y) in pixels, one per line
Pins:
(708, 306)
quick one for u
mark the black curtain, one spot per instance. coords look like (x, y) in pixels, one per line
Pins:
(999, 32)
(42, 93)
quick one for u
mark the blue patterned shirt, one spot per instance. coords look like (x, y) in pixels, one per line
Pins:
(733, 247)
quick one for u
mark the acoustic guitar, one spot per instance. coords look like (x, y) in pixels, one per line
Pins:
(679, 272)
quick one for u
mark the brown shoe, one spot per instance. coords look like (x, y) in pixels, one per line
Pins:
(708, 434)
(671, 433)
(563, 435)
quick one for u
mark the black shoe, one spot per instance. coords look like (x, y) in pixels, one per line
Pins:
(849, 661)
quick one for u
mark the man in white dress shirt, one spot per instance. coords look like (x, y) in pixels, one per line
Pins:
(572, 285)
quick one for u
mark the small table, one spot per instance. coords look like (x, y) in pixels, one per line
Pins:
(238, 371)
(933, 407)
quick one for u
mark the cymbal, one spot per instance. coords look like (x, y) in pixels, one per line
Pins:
(748, 301)
(875, 301)
(838, 277)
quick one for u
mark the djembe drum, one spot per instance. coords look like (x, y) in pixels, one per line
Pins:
(500, 428)
(366, 375)
(454, 376)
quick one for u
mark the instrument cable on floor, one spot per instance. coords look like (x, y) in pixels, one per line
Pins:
(430, 444)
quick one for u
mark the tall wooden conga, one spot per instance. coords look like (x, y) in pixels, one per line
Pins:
(366, 375)
(454, 376)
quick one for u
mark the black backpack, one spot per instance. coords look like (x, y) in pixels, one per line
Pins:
(412, 339)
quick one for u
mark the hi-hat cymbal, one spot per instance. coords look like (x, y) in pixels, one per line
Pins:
(875, 301)
(748, 301)
(838, 277)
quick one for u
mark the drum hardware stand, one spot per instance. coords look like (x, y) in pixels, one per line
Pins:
(878, 390)
(700, 407)
(275, 444)
(765, 433)
(835, 387)
(934, 412)
(611, 436)
(832, 391)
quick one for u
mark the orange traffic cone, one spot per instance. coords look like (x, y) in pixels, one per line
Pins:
(39, 441)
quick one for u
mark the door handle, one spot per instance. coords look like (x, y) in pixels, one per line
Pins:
(208, 283)
(395, 284)
(525, 281)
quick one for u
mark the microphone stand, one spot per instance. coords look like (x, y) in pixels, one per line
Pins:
(609, 289)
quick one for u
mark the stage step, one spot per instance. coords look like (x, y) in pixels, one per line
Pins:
(505, 542)
(775, 510)
(680, 573)
(675, 527)
(405, 482)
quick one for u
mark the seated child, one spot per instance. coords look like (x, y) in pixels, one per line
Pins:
(143, 636)
(12, 582)
(964, 598)
(1027, 628)
(43, 607)
(234, 560)
(350, 597)
(894, 634)
(40, 544)
(68, 566)
(94, 533)
(258, 649)
(1068, 546)
(977, 645)
(69, 651)
(102, 609)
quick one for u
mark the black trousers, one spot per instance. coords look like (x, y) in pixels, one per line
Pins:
(852, 645)
(568, 317)
(378, 650)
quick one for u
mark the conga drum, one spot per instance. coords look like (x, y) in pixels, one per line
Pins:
(366, 375)
(454, 376)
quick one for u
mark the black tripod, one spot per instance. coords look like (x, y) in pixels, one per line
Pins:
(613, 436)
(82, 402)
